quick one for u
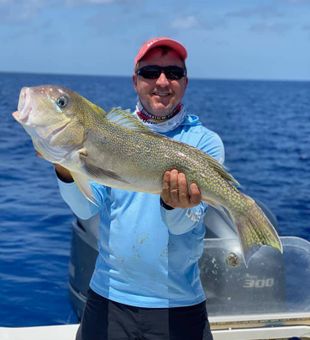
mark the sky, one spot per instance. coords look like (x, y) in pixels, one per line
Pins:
(225, 39)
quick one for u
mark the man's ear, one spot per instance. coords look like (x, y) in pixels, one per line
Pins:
(134, 80)
(186, 82)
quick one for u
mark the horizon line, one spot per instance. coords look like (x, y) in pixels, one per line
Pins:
(129, 76)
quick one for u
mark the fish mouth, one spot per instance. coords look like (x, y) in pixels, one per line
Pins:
(24, 107)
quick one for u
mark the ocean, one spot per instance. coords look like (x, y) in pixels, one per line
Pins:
(265, 126)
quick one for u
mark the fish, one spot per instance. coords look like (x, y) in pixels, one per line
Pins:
(115, 149)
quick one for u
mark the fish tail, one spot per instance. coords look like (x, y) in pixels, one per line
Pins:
(255, 230)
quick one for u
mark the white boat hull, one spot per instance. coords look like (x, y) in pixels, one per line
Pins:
(223, 328)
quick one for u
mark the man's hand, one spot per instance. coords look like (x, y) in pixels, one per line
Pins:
(62, 173)
(175, 191)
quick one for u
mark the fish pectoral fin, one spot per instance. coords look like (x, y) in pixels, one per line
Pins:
(95, 171)
(84, 186)
(100, 173)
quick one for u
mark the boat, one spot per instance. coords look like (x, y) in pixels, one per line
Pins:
(269, 299)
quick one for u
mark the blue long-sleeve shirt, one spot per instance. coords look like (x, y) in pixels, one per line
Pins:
(148, 255)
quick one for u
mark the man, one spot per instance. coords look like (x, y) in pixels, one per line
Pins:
(146, 281)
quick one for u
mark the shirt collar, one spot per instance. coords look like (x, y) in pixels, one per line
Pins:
(160, 126)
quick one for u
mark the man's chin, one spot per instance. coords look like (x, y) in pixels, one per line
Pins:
(162, 110)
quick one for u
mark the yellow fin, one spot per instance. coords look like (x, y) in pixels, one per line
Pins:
(126, 119)
(255, 230)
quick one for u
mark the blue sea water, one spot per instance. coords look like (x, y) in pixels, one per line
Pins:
(265, 127)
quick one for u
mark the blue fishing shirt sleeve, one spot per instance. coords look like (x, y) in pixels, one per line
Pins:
(76, 200)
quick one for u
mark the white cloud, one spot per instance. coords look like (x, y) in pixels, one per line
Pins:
(270, 27)
(263, 12)
(93, 2)
(297, 2)
(185, 22)
(20, 10)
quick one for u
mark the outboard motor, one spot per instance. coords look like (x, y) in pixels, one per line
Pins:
(230, 286)
(83, 257)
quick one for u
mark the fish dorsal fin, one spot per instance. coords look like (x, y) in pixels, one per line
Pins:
(222, 171)
(124, 118)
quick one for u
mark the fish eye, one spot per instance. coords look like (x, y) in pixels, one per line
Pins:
(62, 101)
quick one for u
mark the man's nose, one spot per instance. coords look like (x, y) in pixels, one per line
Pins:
(162, 80)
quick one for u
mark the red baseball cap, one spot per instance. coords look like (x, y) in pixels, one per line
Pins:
(161, 41)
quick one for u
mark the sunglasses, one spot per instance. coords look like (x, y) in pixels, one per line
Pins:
(154, 72)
